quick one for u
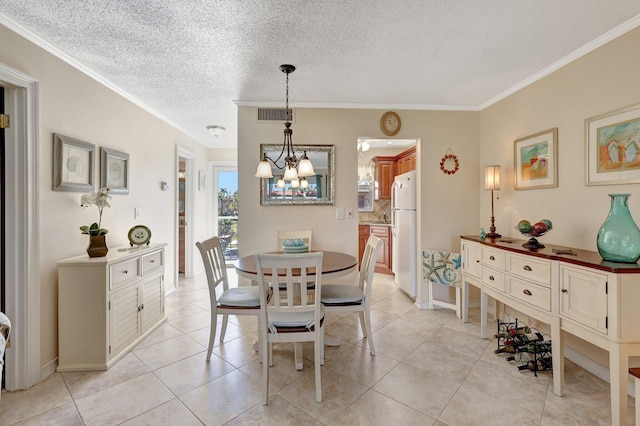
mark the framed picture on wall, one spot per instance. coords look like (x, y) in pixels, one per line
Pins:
(73, 164)
(613, 147)
(114, 171)
(536, 160)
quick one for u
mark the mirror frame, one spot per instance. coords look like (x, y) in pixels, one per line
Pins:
(329, 200)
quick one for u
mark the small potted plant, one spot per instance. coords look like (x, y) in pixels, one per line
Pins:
(97, 243)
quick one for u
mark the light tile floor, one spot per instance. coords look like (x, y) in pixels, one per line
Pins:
(429, 369)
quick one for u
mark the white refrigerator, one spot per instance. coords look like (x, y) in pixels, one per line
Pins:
(403, 229)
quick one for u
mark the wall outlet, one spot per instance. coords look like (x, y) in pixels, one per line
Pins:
(349, 213)
(339, 213)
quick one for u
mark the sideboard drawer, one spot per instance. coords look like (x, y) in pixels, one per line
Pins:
(123, 272)
(493, 258)
(493, 279)
(533, 294)
(529, 268)
(152, 262)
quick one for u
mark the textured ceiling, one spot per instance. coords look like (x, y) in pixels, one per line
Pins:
(194, 60)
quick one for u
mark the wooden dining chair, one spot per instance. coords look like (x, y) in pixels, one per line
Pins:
(289, 318)
(235, 301)
(356, 298)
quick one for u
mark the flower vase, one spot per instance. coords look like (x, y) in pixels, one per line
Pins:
(619, 236)
(97, 246)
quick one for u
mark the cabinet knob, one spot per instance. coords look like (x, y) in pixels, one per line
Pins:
(492, 258)
(152, 261)
(491, 278)
(527, 292)
(477, 261)
(527, 268)
(125, 271)
(564, 290)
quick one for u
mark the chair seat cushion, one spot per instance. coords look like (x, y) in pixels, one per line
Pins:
(341, 294)
(246, 297)
(294, 320)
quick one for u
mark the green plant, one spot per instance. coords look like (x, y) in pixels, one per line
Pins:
(99, 199)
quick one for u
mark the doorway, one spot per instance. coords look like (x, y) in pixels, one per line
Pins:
(225, 208)
(185, 199)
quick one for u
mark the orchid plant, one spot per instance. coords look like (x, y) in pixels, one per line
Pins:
(99, 199)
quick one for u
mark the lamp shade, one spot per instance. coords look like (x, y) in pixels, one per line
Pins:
(305, 168)
(492, 177)
(290, 173)
(295, 183)
(264, 170)
(304, 183)
(280, 183)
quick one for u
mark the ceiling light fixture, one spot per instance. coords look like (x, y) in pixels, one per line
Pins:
(293, 168)
(363, 146)
(216, 130)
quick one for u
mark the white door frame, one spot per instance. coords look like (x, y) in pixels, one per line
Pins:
(22, 229)
(215, 166)
(189, 206)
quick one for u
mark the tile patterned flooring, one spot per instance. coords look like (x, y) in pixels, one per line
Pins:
(429, 369)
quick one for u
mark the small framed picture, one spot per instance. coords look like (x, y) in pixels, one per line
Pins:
(536, 160)
(73, 164)
(114, 171)
(613, 147)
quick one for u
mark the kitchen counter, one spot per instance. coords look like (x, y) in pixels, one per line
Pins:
(374, 223)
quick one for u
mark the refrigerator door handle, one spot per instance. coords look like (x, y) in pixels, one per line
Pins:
(394, 226)
(393, 195)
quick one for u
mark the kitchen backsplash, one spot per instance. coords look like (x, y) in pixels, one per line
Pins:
(377, 215)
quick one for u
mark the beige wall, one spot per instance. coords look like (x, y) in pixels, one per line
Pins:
(449, 203)
(602, 81)
(72, 104)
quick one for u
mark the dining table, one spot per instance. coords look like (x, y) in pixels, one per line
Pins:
(334, 265)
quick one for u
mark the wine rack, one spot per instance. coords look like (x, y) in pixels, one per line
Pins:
(514, 339)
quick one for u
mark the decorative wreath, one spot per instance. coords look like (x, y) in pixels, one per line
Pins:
(449, 163)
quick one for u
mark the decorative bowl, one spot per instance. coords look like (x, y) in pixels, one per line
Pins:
(538, 229)
(291, 246)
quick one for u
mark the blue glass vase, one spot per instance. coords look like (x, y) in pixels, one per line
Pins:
(619, 236)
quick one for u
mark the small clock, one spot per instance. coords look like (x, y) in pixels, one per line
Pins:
(390, 123)
(139, 235)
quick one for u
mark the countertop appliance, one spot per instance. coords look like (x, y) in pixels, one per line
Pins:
(403, 230)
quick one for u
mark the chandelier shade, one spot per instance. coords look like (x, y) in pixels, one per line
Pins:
(294, 168)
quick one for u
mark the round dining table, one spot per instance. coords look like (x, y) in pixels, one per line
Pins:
(334, 265)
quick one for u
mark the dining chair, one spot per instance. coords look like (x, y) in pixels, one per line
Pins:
(235, 301)
(304, 235)
(287, 318)
(356, 298)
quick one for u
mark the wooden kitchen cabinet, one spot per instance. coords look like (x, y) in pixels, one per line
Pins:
(363, 236)
(106, 305)
(406, 161)
(383, 261)
(385, 173)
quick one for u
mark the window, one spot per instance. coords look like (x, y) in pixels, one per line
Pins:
(225, 180)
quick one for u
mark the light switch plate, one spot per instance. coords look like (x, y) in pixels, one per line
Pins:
(349, 213)
(339, 213)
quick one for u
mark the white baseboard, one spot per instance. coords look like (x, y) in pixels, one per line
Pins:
(48, 369)
(593, 367)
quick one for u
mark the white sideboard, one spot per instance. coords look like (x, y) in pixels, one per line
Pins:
(575, 293)
(106, 305)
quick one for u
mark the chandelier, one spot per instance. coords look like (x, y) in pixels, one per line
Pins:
(295, 170)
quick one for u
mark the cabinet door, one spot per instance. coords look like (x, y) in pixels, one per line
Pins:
(123, 318)
(471, 262)
(152, 308)
(363, 236)
(385, 173)
(383, 261)
(583, 297)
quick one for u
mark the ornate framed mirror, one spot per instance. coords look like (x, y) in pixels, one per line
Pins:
(321, 189)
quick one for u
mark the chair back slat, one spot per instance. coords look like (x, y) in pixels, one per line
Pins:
(368, 265)
(295, 271)
(214, 265)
